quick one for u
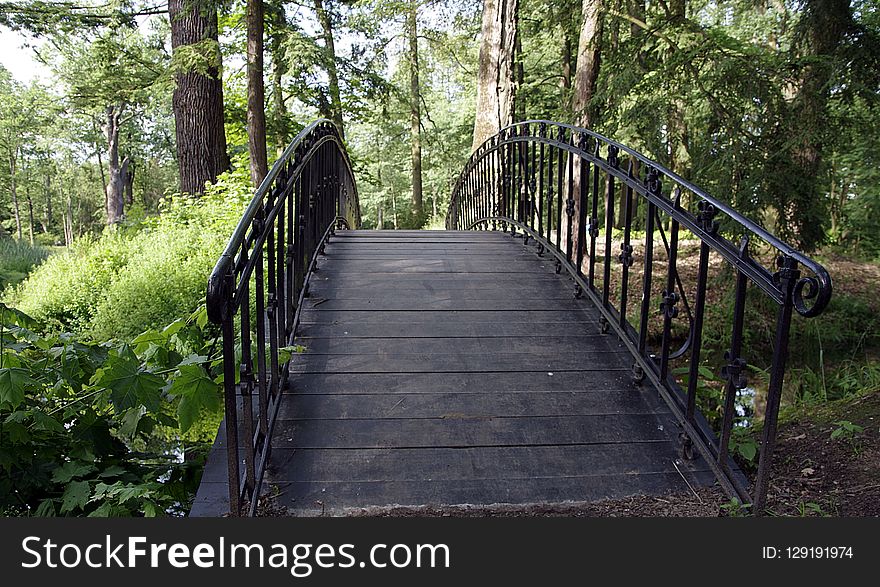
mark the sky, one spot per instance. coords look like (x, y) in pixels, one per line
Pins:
(18, 59)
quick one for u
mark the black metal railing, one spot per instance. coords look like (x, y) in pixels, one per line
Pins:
(551, 182)
(256, 290)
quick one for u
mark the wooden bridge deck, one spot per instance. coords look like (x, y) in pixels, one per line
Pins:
(457, 368)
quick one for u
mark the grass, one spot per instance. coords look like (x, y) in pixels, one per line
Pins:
(17, 259)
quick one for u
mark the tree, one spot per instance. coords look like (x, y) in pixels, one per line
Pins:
(415, 98)
(198, 96)
(333, 108)
(496, 74)
(93, 71)
(256, 113)
(588, 62)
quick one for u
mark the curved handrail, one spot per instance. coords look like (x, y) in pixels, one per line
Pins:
(308, 193)
(503, 183)
(819, 286)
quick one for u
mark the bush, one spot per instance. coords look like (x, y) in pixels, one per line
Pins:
(139, 276)
(17, 258)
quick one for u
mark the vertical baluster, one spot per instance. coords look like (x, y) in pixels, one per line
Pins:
(245, 389)
(734, 371)
(609, 222)
(289, 255)
(551, 157)
(569, 205)
(670, 297)
(710, 227)
(560, 170)
(542, 133)
(230, 393)
(594, 218)
(626, 249)
(786, 277)
(281, 265)
(583, 181)
(532, 182)
(654, 187)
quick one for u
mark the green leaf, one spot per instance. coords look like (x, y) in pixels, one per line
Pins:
(9, 359)
(43, 421)
(193, 360)
(196, 391)
(18, 434)
(46, 509)
(111, 471)
(76, 496)
(129, 383)
(144, 339)
(13, 382)
(284, 353)
(71, 470)
(748, 450)
(173, 328)
(130, 421)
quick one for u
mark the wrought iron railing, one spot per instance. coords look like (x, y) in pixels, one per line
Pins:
(256, 290)
(551, 182)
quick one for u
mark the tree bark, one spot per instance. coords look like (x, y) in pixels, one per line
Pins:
(495, 76)
(415, 131)
(588, 62)
(114, 196)
(13, 188)
(256, 93)
(30, 204)
(585, 79)
(279, 67)
(48, 224)
(198, 98)
(335, 105)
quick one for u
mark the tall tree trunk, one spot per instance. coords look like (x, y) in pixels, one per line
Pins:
(519, 104)
(324, 18)
(566, 56)
(495, 76)
(279, 67)
(128, 178)
(585, 78)
(13, 188)
(30, 205)
(114, 196)
(198, 98)
(48, 225)
(588, 62)
(415, 110)
(256, 93)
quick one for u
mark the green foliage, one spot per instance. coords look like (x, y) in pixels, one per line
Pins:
(743, 444)
(85, 426)
(17, 259)
(846, 430)
(136, 277)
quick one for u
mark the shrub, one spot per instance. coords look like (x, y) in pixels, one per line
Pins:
(136, 277)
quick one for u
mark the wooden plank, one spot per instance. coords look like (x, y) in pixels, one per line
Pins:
(472, 405)
(458, 329)
(455, 346)
(463, 432)
(437, 280)
(449, 265)
(334, 498)
(474, 363)
(470, 463)
(429, 317)
(404, 302)
(603, 380)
